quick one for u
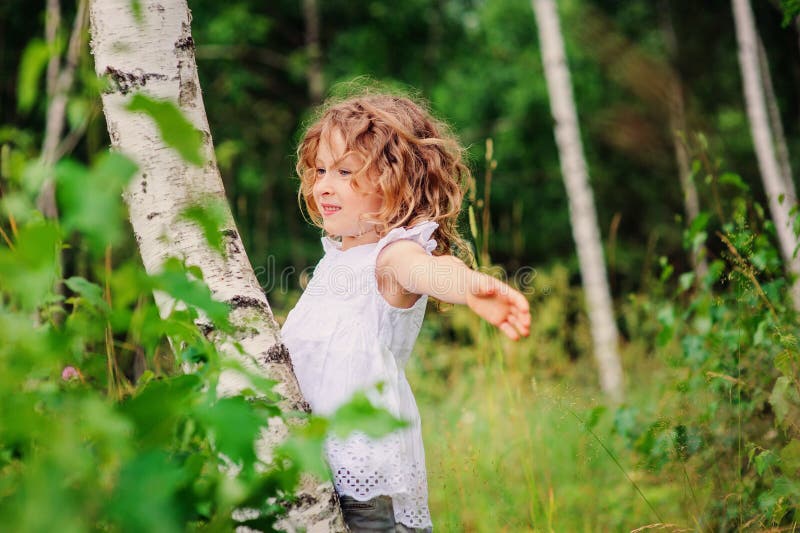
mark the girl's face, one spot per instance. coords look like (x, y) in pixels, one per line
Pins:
(340, 205)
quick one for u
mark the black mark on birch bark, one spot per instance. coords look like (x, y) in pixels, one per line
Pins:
(124, 82)
(303, 500)
(239, 302)
(278, 353)
(206, 328)
(233, 241)
(185, 43)
(187, 92)
(152, 215)
(113, 133)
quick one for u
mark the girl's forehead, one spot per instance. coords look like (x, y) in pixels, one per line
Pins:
(332, 145)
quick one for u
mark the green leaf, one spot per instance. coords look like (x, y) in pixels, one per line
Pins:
(594, 417)
(176, 130)
(729, 178)
(136, 9)
(145, 496)
(91, 292)
(790, 459)
(211, 216)
(34, 59)
(235, 425)
(360, 415)
(715, 271)
(764, 460)
(156, 410)
(666, 269)
(29, 272)
(77, 111)
(91, 199)
(699, 223)
(785, 402)
(791, 9)
(173, 279)
(685, 281)
(305, 447)
(666, 317)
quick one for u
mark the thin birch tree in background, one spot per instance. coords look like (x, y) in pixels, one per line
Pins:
(154, 55)
(781, 150)
(316, 82)
(60, 79)
(678, 133)
(779, 190)
(581, 201)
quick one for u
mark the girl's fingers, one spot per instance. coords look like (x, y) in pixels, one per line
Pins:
(517, 323)
(506, 328)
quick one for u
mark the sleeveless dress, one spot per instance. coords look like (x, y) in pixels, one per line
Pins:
(343, 336)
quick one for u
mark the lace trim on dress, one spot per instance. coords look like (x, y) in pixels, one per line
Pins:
(360, 479)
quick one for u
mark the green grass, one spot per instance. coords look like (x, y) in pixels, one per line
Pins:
(505, 451)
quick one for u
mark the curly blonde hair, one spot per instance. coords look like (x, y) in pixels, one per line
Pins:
(414, 161)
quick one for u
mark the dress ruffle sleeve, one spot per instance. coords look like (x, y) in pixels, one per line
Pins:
(421, 233)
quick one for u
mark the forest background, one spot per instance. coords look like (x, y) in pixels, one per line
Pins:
(518, 436)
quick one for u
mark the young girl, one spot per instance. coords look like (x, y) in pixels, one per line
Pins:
(385, 181)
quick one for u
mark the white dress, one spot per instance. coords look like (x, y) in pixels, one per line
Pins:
(343, 336)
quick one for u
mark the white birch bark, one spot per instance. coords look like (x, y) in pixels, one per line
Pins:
(581, 202)
(59, 84)
(156, 57)
(774, 184)
(316, 83)
(677, 125)
(781, 150)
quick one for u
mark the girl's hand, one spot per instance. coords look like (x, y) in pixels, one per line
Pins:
(500, 305)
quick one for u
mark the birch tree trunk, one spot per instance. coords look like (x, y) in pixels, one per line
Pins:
(581, 202)
(59, 84)
(781, 150)
(156, 56)
(677, 125)
(775, 185)
(316, 83)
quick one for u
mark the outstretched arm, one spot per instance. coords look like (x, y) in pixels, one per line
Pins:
(448, 279)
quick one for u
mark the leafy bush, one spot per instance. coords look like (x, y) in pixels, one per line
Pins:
(727, 421)
(99, 428)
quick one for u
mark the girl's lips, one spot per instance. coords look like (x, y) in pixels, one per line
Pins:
(330, 209)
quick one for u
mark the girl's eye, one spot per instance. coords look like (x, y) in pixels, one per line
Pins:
(344, 172)
(320, 172)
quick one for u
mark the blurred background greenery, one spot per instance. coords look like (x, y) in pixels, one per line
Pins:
(516, 434)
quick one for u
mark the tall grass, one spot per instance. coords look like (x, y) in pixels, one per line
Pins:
(504, 451)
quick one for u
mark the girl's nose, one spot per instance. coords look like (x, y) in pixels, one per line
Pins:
(322, 186)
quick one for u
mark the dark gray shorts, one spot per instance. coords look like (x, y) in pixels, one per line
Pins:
(375, 515)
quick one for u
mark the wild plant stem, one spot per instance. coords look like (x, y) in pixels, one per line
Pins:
(5, 238)
(616, 461)
(744, 267)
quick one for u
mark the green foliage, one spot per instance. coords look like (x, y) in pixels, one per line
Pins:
(99, 427)
(90, 198)
(29, 269)
(791, 9)
(174, 127)
(729, 416)
(34, 59)
(210, 215)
